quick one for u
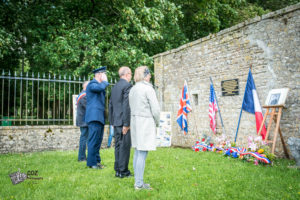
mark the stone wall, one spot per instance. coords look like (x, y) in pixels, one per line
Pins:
(15, 139)
(270, 44)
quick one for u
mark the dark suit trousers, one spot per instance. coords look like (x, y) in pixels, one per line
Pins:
(122, 150)
(94, 142)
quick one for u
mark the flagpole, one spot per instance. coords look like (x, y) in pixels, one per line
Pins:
(237, 129)
(218, 107)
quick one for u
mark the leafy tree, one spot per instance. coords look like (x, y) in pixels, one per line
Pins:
(63, 36)
(77, 36)
(202, 17)
(274, 4)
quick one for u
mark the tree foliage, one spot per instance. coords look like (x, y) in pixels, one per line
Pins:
(63, 36)
(273, 4)
(202, 17)
(77, 36)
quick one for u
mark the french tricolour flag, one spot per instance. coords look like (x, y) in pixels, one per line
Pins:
(184, 109)
(251, 104)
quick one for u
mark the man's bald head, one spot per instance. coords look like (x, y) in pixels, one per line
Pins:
(124, 70)
(125, 73)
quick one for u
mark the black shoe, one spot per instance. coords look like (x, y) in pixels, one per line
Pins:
(117, 174)
(127, 175)
(100, 165)
(95, 167)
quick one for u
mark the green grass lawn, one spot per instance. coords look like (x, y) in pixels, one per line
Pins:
(174, 173)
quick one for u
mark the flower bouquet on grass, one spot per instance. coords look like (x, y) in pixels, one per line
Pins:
(204, 144)
(222, 143)
(256, 153)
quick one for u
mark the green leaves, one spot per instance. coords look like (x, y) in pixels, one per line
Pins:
(210, 16)
(77, 36)
(73, 49)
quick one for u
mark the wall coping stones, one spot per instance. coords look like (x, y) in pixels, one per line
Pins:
(257, 19)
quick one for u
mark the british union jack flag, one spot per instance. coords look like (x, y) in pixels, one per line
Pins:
(184, 109)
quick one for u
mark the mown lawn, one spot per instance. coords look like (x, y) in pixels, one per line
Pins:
(174, 173)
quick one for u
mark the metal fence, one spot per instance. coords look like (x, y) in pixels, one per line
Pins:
(34, 99)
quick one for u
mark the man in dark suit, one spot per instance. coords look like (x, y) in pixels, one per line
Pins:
(119, 117)
(80, 121)
(94, 117)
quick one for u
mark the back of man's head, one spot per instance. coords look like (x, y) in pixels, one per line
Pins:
(123, 71)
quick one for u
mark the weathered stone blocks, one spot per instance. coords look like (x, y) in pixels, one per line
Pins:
(14, 139)
(270, 44)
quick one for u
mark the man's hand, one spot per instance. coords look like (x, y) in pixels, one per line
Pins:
(125, 129)
(103, 77)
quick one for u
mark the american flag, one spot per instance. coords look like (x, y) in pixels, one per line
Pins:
(184, 109)
(213, 108)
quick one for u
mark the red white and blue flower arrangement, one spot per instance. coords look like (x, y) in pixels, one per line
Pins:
(257, 151)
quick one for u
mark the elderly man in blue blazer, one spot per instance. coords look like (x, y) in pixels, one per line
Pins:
(94, 117)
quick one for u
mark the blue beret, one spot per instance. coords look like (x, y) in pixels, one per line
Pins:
(101, 69)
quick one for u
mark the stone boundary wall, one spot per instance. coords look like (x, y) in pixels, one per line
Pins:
(17, 139)
(270, 44)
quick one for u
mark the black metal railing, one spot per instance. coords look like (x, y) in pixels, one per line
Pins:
(34, 99)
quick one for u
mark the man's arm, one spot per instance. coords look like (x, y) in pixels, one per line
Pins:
(110, 112)
(125, 105)
(82, 102)
(98, 87)
(126, 109)
(154, 105)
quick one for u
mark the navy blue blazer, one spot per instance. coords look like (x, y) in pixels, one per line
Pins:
(95, 101)
(119, 110)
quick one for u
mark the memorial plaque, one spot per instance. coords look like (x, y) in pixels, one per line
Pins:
(230, 87)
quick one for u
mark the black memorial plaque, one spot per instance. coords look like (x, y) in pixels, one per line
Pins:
(230, 87)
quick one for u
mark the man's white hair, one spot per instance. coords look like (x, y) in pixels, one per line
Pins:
(123, 70)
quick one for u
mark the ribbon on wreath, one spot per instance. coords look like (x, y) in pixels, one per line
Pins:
(257, 156)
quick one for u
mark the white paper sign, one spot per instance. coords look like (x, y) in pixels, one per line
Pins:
(163, 137)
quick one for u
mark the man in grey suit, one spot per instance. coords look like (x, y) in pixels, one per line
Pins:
(119, 117)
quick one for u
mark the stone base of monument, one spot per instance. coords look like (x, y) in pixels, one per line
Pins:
(294, 144)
